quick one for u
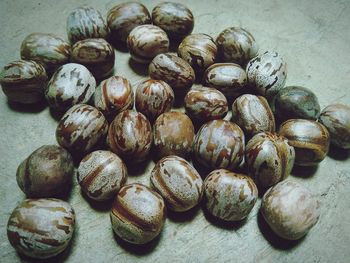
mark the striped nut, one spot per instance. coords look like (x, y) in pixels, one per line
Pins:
(46, 172)
(173, 134)
(96, 54)
(138, 214)
(41, 228)
(125, 17)
(267, 73)
(199, 50)
(237, 45)
(47, 49)
(130, 136)
(269, 159)
(204, 104)
(173, 70)
(174, 18)
(178, 183)
(290, 210)
(219, 144)
(23, 81)
(229, 196)
(310, 140)
(81, 128)
(336, 118)
(229, 78)
(71, 84)
(153, 97)
(101, 174)
(147, 41)
(86, 22)
(253, 114)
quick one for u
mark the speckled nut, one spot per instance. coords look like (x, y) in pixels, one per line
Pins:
(138, 214)
(46, 172)
(41, 228)
(173, 134)
(23, 81)
(47, 49)
(199, 50)
(101, 174)
(219, 144)
(130, 136)
(237, 45)
(204, 104)
(81, 128)
(71, 84)
(153, 97)
(173, 70)
(229, 78)
(310, 140)
(336, 118)
(295, 102)
(269, 159)
(267, 73)
(178, 183)
(96, 54)
(125, 17)
(229, 196)
(86, 22)
(290, 210)
(174, 18)
(253, 114)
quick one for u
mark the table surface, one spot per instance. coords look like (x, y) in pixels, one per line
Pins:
(312, 36)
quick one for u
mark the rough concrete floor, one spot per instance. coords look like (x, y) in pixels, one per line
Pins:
(313, 37)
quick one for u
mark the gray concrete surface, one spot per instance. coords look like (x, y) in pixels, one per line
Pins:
(313, 37)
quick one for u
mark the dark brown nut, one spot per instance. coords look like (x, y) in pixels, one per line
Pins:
(23, 81)
(153, 97)
(336, 118)
(178, 183)
(290, 210)
(174, 18)
(46, 172)
(253, 114)
(101, 174)
(138, 214)
(81, 128)
(219, 144)
(269, 159)
(71, 84)
(46, 49)
(41, 228)
(310, 140)
(204, 104)
(147, 41)
(237, 45)
(229, 78)
(173, 70)
(130, 136)
(86, 22)
(295, 102)
(173, 134)
(96, 54)
(125, 17)
(229, 196)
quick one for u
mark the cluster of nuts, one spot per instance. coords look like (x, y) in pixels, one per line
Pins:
(232, 70)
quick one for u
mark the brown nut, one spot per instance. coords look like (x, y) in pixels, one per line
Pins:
(310, 140)
(138, 214)
(290, 210)
(229, 196)
(178, 183)
(41, 228)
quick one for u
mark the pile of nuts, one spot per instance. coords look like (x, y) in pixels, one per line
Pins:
(232, 70)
